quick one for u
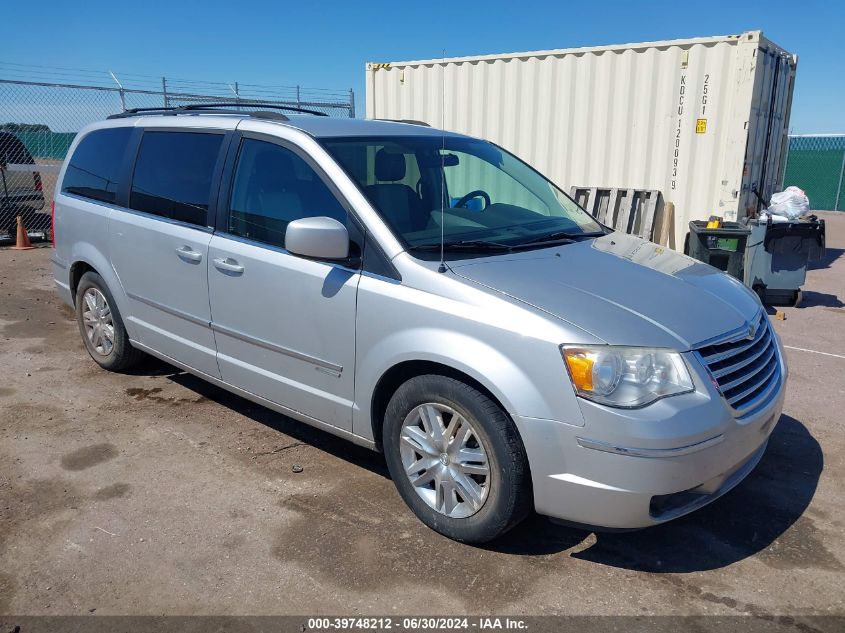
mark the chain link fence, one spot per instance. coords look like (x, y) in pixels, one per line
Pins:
(39, 118)
(816, 164)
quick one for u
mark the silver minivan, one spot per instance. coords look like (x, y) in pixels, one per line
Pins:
(425, 294)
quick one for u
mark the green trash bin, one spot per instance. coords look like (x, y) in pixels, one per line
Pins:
(723, 248)
(777, 256)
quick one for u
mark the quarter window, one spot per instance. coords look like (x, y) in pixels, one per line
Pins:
(173, 175)
(94, 168)
(272, 187)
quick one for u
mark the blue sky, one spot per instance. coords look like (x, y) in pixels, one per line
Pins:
(326, 44)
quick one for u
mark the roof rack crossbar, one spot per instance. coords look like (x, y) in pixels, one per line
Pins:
(230, 105)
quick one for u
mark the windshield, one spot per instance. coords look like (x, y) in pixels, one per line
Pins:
(490, 198)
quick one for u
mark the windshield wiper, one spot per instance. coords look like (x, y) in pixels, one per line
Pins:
(475, 245)
(558, 236)
(485, 245)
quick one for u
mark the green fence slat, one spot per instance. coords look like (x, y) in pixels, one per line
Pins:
(816, 165)
(47, 145)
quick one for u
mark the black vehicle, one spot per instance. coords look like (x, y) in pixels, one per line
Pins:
(21, 192)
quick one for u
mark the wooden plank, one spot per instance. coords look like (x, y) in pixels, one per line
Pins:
(628, 198)
(580, 195)
(628, 210)
(598, 203)
(593, 201)
(604, 195)
(617, 211)
(637, 211)
(610, 215)
(666, 224)
(647, 214)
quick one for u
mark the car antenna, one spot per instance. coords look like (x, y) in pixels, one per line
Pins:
(442, 267)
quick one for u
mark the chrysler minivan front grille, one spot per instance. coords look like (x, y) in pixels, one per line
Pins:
(745, 365)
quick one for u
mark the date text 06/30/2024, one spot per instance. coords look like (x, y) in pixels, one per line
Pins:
(415, 624)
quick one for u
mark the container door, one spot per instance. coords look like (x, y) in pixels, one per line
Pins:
(768, 127)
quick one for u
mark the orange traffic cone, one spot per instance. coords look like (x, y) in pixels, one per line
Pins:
(23, 242)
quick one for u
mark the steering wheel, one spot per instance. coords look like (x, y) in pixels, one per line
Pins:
(478, 193)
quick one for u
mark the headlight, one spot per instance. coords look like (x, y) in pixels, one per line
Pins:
(626, 377)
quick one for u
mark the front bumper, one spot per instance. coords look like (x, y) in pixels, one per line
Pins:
(633, 469)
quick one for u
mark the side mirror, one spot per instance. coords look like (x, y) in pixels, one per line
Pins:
(318, 238)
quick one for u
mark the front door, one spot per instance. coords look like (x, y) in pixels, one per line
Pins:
(284, 325)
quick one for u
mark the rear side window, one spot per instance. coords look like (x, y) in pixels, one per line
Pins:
(94, 168)
(173, 174)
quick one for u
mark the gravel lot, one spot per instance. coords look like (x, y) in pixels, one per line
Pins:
(156, 493)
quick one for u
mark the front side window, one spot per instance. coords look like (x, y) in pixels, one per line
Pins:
(95, 165)
(484, 193)
(273, 186)
(173, 174)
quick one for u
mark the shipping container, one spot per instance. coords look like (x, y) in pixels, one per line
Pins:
(703, 121)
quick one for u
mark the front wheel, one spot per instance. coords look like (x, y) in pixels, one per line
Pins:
(456, 459)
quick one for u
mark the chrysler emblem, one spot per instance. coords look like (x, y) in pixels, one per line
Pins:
(752, 330)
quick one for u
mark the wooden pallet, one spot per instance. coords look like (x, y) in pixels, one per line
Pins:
(629, 210)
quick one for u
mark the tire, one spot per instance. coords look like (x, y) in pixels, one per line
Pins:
(118, 353)
(450, 504)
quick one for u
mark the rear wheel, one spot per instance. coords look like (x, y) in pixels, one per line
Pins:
(101, 326)
(456, 459)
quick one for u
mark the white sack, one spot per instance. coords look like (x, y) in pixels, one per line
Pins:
(790, 203)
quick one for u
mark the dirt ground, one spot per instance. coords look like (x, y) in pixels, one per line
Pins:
(156, 493)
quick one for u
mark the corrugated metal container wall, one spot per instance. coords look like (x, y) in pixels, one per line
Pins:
(674, 116)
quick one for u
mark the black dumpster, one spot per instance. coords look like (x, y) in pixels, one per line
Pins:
(723, 247)
(777, 256)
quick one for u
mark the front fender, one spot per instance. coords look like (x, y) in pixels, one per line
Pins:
(524, 372)
(452, 349)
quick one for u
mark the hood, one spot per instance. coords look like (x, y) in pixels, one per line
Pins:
(622, 290)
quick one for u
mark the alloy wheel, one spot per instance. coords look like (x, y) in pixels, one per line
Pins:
(97, 320)
(445, 460)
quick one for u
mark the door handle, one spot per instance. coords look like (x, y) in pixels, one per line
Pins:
(229, 265)
(189, 254)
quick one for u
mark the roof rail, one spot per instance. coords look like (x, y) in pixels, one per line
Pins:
(408, 121)
(213, 107)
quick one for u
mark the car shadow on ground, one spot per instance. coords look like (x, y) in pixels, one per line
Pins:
(742, 523)
(299, 431)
